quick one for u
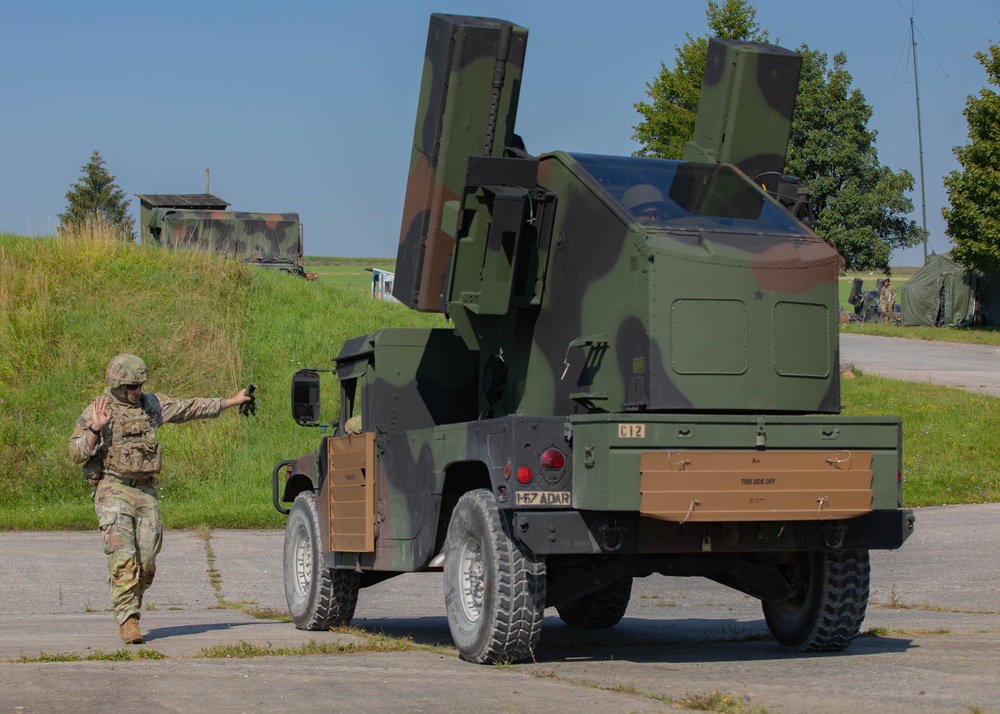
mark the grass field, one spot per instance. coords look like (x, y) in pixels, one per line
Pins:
(349, 273)
(207, 326)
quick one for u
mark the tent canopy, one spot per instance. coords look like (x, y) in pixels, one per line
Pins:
(944, 293)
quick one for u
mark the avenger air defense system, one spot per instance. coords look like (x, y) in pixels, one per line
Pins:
(641, 377)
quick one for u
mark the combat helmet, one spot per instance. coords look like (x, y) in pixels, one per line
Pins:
(642, 194)
(126, 369)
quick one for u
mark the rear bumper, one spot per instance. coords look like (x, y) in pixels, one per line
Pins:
(594, 533)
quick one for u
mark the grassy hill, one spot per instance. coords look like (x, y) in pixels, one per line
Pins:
(207, 326)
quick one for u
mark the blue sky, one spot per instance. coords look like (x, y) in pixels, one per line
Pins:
(308, 106)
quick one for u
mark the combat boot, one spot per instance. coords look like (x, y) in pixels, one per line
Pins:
(131, 634)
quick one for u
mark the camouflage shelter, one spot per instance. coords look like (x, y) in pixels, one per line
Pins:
(201, 222)
(150, 203)
(945, 293)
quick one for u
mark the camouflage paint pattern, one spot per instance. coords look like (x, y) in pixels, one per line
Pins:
(745, 111)
(583, 327)
(271, 240)
(464, 55)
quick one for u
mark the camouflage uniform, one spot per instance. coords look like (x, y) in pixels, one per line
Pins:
(887, 302)
(121, 466)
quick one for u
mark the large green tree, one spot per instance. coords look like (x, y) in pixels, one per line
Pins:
(859, 204)
(97, 200)
(974, 192)
(668, 118)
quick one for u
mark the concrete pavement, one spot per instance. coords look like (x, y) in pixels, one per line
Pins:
(975, 368)
(937, 600)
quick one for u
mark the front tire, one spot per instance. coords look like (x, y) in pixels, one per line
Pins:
(318, 597)
(827, 610)
(600, 609)
(494, 588)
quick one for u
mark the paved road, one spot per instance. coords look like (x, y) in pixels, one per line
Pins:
(938, 600)
(951, 364)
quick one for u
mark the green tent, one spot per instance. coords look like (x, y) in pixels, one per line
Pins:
(944, 293)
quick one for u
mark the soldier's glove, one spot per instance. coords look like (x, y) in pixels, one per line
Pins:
(249, 408)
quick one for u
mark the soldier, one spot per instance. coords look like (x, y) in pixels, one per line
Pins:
(645, 202)
(115, 440)
(887, 301)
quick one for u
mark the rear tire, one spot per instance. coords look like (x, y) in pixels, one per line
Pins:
(600, 609)
(826, 613)
(318, 597)
(494, 588)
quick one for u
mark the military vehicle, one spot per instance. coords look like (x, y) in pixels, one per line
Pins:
(642, 377)
(201, 221)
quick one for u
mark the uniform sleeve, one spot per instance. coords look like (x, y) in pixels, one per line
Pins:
(176, 411)
(78, 448)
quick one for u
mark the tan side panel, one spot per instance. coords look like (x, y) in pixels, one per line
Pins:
(755, 485)
(350, 490)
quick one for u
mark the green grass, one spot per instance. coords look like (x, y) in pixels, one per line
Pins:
(207, 326)
(950, 450)
(355, 276)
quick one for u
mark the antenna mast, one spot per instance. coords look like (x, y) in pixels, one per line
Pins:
(920, 141)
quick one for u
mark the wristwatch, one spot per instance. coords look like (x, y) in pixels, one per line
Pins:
(92, 430)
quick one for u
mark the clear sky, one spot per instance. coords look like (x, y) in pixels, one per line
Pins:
(308, 106)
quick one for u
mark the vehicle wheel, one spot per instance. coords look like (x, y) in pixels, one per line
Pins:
(494, 588)
(826, 613)
(600, 609)
(318, 597)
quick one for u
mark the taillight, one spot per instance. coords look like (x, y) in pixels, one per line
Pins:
(524, 474)
(552, 458)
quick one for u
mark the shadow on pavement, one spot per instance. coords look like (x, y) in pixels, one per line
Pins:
(201, 628)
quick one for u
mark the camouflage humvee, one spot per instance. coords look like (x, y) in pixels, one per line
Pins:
(202, 222)
(643, 377)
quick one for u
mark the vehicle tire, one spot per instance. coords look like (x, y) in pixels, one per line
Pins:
(494, 588)
(826, 613)
(318, 597)
(600, 609)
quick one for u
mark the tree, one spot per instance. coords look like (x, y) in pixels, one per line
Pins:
(97, 199)
(669, 120)
(859, 204)
(974, 192)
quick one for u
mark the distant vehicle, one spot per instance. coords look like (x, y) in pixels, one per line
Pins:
(201, 221)
(641, 376)
(382, 281)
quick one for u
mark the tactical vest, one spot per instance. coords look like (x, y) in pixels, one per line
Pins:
(133, 450)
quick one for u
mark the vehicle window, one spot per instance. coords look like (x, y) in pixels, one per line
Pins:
(683, 194)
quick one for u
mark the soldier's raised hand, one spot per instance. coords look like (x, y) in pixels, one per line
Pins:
(101, 412)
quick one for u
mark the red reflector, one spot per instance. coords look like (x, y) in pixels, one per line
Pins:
(552, 459)
(524, 474)
(899, 477)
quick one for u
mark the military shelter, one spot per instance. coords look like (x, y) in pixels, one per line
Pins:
(945, 293)
(149, 202)
(200, 221)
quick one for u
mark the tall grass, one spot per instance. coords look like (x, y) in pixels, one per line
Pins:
(205, 326)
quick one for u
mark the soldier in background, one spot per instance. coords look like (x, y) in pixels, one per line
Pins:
(887, 301)
(115, 440)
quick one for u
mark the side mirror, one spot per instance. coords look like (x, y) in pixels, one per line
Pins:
(305, 397)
